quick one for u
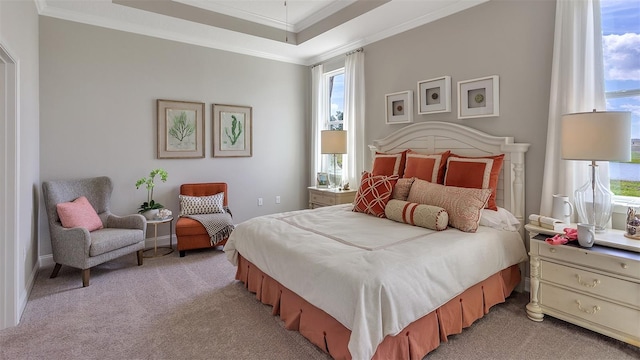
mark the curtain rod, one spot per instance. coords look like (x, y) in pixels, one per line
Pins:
(347, 54)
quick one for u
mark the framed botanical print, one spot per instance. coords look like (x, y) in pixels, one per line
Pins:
(180, 129)
(232, 131)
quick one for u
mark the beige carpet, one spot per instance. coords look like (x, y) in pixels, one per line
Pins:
(191, 308)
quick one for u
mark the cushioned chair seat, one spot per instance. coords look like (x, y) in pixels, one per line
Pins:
(189, 227)
(109, 239)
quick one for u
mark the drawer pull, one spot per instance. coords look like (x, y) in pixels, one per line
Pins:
(586, 284)
(624, 266)
(594, 310)
(552, 250)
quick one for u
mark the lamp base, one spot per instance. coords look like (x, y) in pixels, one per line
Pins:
(593, 202)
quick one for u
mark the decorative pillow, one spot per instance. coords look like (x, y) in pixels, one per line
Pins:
(401, 190)
(429, 167)
(79, 213)
(191, 205)
(389, 164)
(501, 219)
(475, 172)
(462, 204)
(374, 193)
(426, 216)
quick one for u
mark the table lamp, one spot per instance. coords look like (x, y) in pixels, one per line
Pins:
(333, 142)
(596, 136)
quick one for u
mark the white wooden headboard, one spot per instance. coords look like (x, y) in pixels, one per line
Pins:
(436, 136)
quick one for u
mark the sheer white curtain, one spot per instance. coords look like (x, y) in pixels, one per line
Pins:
(354, 112)
(318, 116)
(577, 85)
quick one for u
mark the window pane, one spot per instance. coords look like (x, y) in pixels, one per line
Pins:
(621, 51)
(335, 85)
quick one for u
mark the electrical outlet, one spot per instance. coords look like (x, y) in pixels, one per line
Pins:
(259, 201)
(278, 199)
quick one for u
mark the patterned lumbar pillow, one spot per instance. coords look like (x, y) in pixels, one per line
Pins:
(191, 205)
(426, 216)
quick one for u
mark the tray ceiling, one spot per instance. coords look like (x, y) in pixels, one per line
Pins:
(297, 31)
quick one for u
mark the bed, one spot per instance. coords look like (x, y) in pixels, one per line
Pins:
(359, 286)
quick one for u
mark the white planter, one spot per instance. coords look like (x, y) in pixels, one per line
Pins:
(151, 214)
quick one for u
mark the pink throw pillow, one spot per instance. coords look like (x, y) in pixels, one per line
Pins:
(79, 213)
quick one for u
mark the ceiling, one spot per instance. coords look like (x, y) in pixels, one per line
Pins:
(296, 31)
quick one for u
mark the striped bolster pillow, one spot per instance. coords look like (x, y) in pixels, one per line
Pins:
(427, 216)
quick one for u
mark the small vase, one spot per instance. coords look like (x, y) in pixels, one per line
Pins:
(151, 214)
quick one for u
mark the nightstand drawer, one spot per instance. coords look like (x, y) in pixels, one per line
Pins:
(323, 199)
(596, 311)
(592, 283)
(627, 267)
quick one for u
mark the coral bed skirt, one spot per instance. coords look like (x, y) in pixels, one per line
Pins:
(413, 342)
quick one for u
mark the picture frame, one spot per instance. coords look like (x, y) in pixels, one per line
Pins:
(232, 130)
(399, 107)
(322, 180)
(479, 98)
(434, 95)
(180, 126)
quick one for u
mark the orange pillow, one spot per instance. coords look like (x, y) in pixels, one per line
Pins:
(79, 213)
(388, 164)
(429, 167)
(475, 172)
(374, 193)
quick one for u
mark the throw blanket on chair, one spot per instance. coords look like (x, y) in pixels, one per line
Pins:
(219, 225)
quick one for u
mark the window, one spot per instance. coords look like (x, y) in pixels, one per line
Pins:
(621, 51)
(334, 85)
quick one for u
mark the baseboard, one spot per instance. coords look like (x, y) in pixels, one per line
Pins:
(24, 297)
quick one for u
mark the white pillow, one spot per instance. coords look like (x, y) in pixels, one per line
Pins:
(501, 219)
(191, 205)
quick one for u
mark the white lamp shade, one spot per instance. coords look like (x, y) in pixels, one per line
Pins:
(333, 142)
(597, 136)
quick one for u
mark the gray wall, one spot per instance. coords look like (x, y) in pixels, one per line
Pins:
(19, 35)
(512, 39)
(99, 86)
(98, 98)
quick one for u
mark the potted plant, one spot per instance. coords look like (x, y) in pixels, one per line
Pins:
(150, 208)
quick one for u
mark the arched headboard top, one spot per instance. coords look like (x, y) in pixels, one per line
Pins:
(436, 136)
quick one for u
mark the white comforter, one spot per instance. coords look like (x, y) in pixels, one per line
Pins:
(375, 276)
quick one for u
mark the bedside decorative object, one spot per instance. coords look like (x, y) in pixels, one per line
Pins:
(596, 288)
(322, 180)
(150, 208)
(333, 142)
(319, 197)
(633, 224)
(561, 208)
(586, 235)
(596, 136)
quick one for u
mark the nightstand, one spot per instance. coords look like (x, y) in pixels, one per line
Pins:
(597, 288)
(319, 197)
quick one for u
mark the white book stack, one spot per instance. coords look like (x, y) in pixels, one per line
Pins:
(547, 222)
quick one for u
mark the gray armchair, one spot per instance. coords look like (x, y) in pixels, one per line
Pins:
(79, 248)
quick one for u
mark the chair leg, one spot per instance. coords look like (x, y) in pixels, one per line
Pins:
(139, 253)
(183, 253)
(85, 277)
(56, 269)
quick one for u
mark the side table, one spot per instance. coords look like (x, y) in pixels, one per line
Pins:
(155, 247)
(319, 197)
